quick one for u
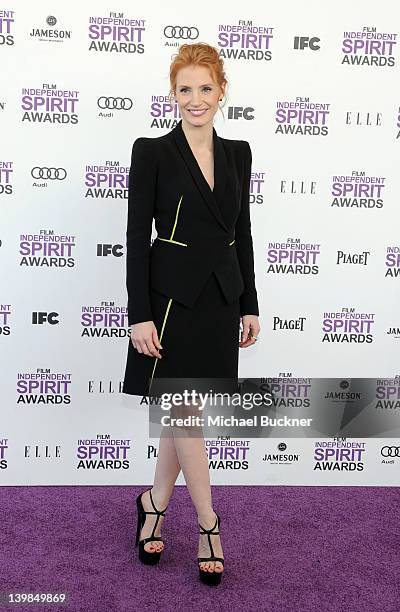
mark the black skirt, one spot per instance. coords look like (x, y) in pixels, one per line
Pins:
(201, 342)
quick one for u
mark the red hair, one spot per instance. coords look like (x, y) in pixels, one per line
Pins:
(198, 54)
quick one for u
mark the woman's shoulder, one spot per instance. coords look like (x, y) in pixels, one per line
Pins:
(147, 141)
(238, 145)
(240, 148)
(147, 147)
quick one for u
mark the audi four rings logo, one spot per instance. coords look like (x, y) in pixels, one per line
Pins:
(114, 103)
(53, 174)
(181, 32)
(390, 451)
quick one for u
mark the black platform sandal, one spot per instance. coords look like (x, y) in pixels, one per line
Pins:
(149, 558)
(210, 578)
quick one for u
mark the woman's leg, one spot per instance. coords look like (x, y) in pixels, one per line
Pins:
(192, 456)
(166, 473)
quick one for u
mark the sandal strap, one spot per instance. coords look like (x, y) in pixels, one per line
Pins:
(213, 558)
(152, 502)
(151, 539)
(212, 528)
(210, 532)
(158, 513)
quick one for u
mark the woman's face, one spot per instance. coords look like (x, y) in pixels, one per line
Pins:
(197, 95)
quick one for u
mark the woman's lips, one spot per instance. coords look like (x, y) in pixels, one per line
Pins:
(197, 112)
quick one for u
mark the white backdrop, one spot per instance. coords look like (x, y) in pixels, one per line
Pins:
(64, 159)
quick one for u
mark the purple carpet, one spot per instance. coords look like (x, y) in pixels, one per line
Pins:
(286, 549)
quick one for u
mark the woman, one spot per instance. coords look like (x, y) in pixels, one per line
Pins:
(188, 291)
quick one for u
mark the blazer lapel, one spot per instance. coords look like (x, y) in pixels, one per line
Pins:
(211, 197)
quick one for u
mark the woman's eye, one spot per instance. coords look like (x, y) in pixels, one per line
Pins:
(184, 89)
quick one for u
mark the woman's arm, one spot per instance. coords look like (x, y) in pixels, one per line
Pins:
(141, 199)
(244, 242)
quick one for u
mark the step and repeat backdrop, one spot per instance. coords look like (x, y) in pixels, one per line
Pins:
(317, 96)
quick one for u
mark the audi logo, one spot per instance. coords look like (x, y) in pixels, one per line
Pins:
(181, 32)
(114, 103)
(390, 451)
(53, 174)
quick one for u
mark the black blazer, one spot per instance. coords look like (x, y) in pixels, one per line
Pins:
(199, 230)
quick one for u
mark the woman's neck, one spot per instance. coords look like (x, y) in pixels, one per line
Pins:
(199, 137)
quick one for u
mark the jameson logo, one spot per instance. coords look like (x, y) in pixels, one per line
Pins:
(392, 261)
(388, 394)
(349, 326)
(103, 453)
(293, 257)
(357, 190)
(49, 105)
(368, 47)
(43, 387)
(163, 112)
(280, 457)
(116, 34)
(50, 33)
(302, 117)
(110, 180)
(104, 320)
(245, 41)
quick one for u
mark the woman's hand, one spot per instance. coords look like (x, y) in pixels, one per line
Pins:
(145, 339)
(250, 328)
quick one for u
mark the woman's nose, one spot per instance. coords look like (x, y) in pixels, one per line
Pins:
(196, 98)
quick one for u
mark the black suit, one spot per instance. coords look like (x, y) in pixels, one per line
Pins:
(200, 230)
